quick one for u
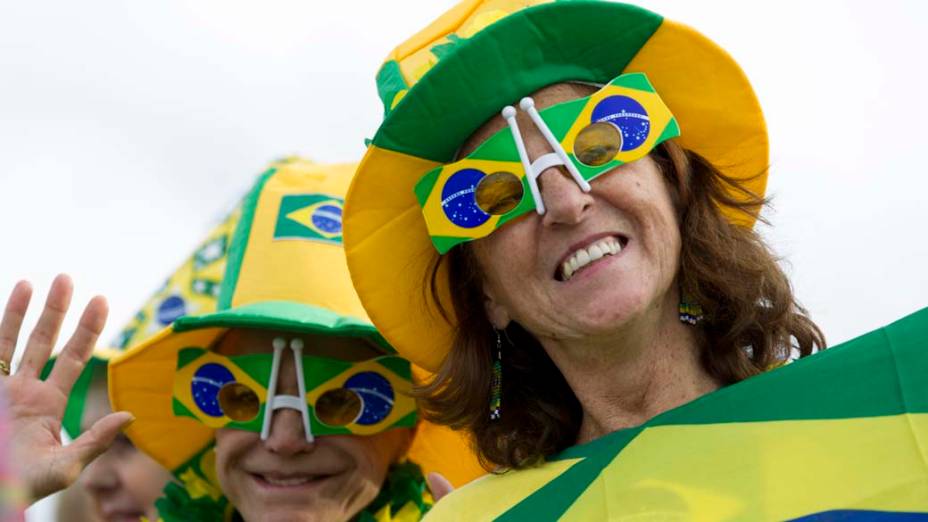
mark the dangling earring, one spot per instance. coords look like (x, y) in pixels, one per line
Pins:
(690, 313)
(496, 388)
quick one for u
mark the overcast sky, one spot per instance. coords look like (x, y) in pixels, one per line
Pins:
(128, 128)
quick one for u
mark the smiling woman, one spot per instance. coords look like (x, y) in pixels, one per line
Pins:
(590, 267)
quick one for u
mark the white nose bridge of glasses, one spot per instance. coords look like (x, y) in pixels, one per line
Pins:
(276, 402)
(552, 159)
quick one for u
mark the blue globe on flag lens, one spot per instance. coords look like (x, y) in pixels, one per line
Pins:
(458, 201)
(628, 115)
(376, 392)
(205, 386)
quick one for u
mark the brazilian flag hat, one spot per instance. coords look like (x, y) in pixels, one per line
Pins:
(442, 84)
(285, 269)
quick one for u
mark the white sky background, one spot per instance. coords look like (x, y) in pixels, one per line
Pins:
(128, 128)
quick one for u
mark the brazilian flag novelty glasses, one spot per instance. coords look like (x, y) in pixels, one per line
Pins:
(335, 397)
(618, 124)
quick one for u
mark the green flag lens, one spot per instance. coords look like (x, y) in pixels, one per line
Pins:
(338, 407)
(498, 193)
(238, 402)
(597, 144)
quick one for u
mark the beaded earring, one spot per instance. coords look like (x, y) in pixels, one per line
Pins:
(496, 387)
(690, 313)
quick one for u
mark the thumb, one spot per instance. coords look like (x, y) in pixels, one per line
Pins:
(99, 437)
(438, 485)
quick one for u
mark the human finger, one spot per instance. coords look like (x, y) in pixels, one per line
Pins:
(12, 321)
(77, 351)
(93, 442)
(73, 458)
(438, 485)
(45, 334)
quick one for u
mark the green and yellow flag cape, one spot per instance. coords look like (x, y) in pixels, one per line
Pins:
(841, 435)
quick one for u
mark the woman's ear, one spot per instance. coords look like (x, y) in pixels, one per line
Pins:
(496, 312)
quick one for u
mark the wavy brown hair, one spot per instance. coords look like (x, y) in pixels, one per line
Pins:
(751, 322)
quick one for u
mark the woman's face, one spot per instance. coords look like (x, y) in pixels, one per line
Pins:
(286, 478)
(523, 262)
(123, 482)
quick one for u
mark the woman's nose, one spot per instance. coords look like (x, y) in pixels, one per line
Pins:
(287, 436)
(565, 202)
(100, 475)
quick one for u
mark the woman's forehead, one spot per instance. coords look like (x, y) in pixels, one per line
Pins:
(243, 341)
(544, 97)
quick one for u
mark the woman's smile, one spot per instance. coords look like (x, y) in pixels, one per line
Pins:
(590, 253)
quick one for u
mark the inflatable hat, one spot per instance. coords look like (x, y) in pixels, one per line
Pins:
(192, 289)
(442, 84)
(285, 271)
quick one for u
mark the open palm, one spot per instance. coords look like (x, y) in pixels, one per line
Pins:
(35, 406)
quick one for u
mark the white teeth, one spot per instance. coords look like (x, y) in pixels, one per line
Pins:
(608, 246)
(286, 482)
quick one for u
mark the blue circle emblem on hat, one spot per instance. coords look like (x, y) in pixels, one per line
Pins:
(458, 201)
(628, 115)
(328, 218)
(376, 392)
(205, 386)
(171, 309)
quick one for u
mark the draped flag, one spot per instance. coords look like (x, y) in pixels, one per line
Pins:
(840, 435)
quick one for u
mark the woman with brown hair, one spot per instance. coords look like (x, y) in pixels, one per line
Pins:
(556, 217)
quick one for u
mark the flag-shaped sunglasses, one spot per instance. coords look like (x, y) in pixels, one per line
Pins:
(336, 397)
(618, 124)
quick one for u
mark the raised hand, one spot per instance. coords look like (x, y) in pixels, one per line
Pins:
(35, 406)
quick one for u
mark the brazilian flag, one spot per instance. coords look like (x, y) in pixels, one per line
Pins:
(310, 216)
(840, 435)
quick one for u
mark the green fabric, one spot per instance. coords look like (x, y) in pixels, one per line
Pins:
(286, 315)
(176, 505)
(882, 373)
(389, 82)
(77, 399)
(562, 41)
(192, 496)
(240, 242)
(404, 484)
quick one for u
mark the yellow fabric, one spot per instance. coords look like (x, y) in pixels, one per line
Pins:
(141, 381)
(739, 471)
(266, 271)
(385, 235)
(695, 88)
(493, 495)
(386, 240)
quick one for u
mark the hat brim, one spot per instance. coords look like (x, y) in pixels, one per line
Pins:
(387, 245)
(141, 381)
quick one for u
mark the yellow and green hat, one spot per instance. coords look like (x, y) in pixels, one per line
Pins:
(192, 289)
(285, 269)
(442, 84)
